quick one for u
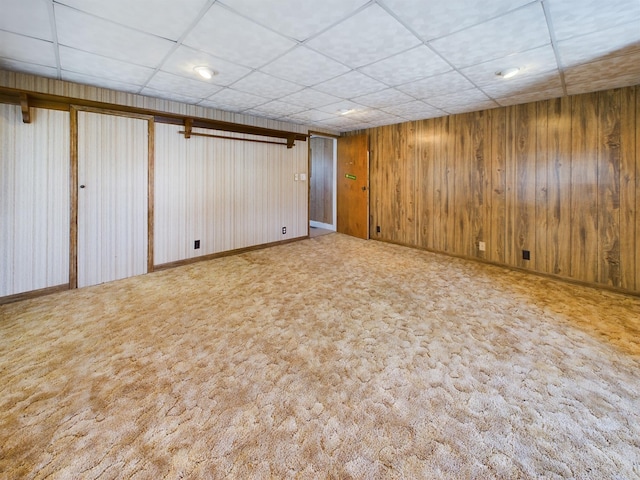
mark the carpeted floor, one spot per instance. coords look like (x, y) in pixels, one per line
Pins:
(330, 357)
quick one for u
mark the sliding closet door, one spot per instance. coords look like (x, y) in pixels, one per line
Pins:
(112, 197)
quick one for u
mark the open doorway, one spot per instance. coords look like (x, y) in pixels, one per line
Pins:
(322, 184)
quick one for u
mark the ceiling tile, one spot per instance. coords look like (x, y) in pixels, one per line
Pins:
(32, 68)
(167, 82)
(143, 15)
(339, 107)
(77, 61)
(611, 42)
(407, 66)
(523, 84)
(259, 83)
(434, 19)
(578, 17)
(341, 123)
(227, 35)
(349, 85)
(279, 108)
(174, 96)
(455, 99)
(471, 107)
(436, 85)
(27, 49)
(85, 32)
(27, 17)
(99, 82)
(183, 60)
(518, 31)
(367, 37)
(310, 116)
(299, 19)
(240, 100)
(530, 97)
(305, 67)
(262, 113)
(371, 115)
(532, 62)
(620, 71)
(310, 98)
(414, 108)
(384, 98)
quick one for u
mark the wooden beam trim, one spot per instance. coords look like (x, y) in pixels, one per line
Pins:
(24, 106)
(57, 102)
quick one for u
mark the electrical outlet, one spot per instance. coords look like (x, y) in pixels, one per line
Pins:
(482, 246)
(284, 230)
(526, 255)
(196, 245)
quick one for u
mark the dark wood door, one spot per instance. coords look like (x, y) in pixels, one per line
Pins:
(353, 186)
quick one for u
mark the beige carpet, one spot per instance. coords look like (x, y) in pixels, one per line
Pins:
(326, 358)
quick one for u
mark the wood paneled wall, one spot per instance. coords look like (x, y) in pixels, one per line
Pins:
(34, 200)
(559, 178)
(225, 193)
(228, 194)
(322, 180)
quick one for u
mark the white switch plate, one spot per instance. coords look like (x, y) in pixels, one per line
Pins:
(295, 177)
(482, 246)
(303, 177)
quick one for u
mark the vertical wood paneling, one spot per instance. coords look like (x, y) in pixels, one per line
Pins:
(511, 179)
(628, 188)
(112, 208)
(487, 178)
(471, 151)
(558, 178)
(540, 251)
(559, 187)
(321, 178)
(448, 186)
(425, 183)
(438, 184)
(609, 106)
(637, 189)
(584, 188)
(228, 194)
(496, 241)
(525, 198)
(34, 200)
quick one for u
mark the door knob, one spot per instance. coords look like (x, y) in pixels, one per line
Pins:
(81, 186)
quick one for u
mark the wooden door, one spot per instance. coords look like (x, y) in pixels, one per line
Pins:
(353, 186)
(112, 187)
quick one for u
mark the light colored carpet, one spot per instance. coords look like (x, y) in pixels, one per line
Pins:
(326, 358)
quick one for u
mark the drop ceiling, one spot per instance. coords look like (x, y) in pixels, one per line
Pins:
(335, 64)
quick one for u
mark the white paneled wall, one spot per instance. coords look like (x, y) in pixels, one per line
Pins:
(34, 200)
(228, 194)
(112, 206)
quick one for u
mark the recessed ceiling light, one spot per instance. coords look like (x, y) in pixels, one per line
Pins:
(346, 111)
(508, 73)
(204, 72)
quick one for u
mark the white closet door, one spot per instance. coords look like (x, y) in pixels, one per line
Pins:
(112, 197)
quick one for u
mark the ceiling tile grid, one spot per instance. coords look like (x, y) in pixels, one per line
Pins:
(340, 64)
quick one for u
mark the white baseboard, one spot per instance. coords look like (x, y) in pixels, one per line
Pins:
(326, 226)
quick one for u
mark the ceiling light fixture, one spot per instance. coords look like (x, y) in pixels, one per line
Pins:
(346, 111)
(508, 73)
(204, 72)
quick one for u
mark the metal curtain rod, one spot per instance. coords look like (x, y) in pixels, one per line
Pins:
(232, 138)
